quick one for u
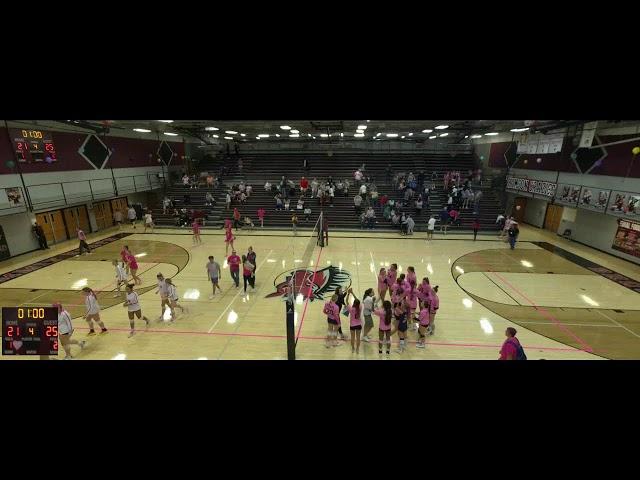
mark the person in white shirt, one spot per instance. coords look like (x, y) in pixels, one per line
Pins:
(185, 180)
(331, 194)
(93, 311)
(131, 215)
(267, 186)
(65, 330)
(410, 225)
(148, 222)
(163, 290)
(133, 308)
(165, 204)
(249, 189)
(357, 201)
(121, 277)
(172, 295)
(363, 189)
(431, 225)
(228, 200)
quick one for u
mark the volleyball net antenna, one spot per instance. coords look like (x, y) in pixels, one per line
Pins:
(302, 279)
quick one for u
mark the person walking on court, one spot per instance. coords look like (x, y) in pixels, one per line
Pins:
(163, 290)
(172, 295)
(431, 225)
(132, 303)
(234, 267)
(513, 233)
(476, 226)
(131, 215)
(133, 268)
(511, 348)
(247, 274)
(294, 223)
(65, 331)
(251, 256)
(93, 311)
(121, 277)
(83, 241)
(213, 274)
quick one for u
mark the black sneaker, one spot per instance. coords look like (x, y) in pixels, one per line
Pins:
(104, 330)
(91, 332)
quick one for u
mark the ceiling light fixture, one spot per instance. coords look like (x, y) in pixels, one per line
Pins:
(362, 127)
(285, 127)
(171, 134)
(211, 129)
(243, 134)
(476, 136)
(277, 135)
(490, 134)
(141, 130)
(294, 135)
(231, 132)
(402, 136)
(359, 135)
(166, 121)
(411, 133)
(295, 131)
(264, 135)
(324, 135)
(228, 138)
(432, 137)
(442, 127)
(427, 130)
(215, 136)
(392, 135)
(524, 129)
(444, 134)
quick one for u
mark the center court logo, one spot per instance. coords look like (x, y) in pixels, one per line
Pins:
(325, 281)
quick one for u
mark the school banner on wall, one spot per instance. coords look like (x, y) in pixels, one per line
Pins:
(568, 194)
(518, 184)
(594, 199)
(627, 237)
(4, 248)
(624, 204)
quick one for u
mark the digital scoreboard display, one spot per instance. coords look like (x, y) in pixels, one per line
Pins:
(29, 331)
(33, 146)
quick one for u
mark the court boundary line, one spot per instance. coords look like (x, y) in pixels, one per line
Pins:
(617, 323)
(502, 290)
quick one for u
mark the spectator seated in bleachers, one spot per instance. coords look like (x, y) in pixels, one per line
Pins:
(374, 197)
(370, 217)
(314, 187)
(300, 204)
(209, 200)
(267, 186)
(454, 216)
(242, 197)
(279, 204)
(185, 180)
(247, 223)
(357, 202)
(386, 212)
(345, 188)
(287, 204)
(248, 190)
(419, 205)
(395, 218)
(304, 185)
(307, 213)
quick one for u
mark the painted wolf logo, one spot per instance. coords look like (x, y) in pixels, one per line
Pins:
(305, 284)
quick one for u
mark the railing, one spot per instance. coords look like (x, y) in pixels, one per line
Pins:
(58, 194)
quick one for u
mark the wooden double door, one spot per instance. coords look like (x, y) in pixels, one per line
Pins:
(553, 218)
(76, 217)
(120, 204)
(53, 225)
(103, 214)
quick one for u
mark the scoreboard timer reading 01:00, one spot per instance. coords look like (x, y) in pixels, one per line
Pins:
(29, 331)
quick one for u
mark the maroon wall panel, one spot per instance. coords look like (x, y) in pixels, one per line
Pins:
(127, 152)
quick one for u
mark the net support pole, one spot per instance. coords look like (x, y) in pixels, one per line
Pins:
(291, 329)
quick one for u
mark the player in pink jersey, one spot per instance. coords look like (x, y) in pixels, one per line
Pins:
(196, 232)
(399, 283)
(382, 284)
(392, 274)
(424, 290)
(411, 275)
(433, 309)
(355, 321)
(332, 311)
(400, 310)
(412, 303)
(424, 324)
(228, 240)
(133, 268)
(261, 213)
(385, 315)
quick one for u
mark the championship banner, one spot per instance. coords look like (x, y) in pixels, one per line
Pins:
(627, 237)
(568, 194)
(538, 187)
(594, 199)
(624, 204)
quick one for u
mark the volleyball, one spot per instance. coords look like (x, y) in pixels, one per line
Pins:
(539, 160)
(518, 207)
(636, 150)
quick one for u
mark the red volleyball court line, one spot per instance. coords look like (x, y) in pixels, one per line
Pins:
(541, 310)
(306, 304)
(323, 338)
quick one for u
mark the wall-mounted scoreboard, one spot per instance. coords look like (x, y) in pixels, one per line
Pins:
(33, 146)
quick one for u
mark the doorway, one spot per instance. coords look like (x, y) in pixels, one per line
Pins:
(76, 217)
(553, 218)
(53, 225)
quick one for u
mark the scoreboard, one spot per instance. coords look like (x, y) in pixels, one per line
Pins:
(29, 331)
(33, 146)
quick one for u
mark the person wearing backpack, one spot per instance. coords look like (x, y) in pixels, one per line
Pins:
(511, 348)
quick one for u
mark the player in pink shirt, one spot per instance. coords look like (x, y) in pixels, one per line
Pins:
(382, 284)
(261, 213)
(509, 350)
(425, 290)
(133, 268)
(234, 261)
(228, 240)
(196, 232)
(411, 275)
(400, 283)
(412, 303)
(433, 308)
(423, 319)
(83, 241)
(392, 274)
(355, 321)
(332, 311)
(384, 330)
